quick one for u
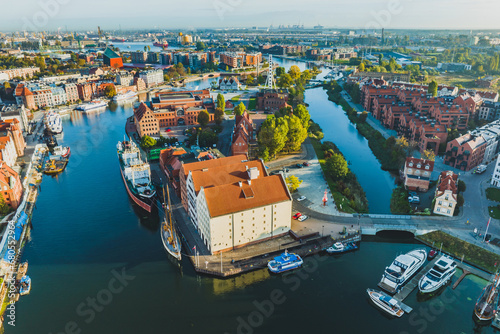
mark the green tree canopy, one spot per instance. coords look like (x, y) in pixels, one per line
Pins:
(296, 133)
(433, 88)
(147, 142)
(200, 46)
(203, 118)
(280, 71)
(294, 72)
(239, 109)
(273, 135)
(336, 166)
(221, 103)
(110, 91)
(285, 80)
(301, 112)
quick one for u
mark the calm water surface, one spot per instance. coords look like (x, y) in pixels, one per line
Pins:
(87, 232)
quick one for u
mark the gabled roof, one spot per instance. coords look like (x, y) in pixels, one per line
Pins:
(141, 111)
(194, 166)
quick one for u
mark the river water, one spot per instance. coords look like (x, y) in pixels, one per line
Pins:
(98, 266)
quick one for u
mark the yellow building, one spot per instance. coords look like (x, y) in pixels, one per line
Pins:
(446, 194)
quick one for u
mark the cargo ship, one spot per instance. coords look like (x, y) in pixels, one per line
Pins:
(136, 175)
(163, 45)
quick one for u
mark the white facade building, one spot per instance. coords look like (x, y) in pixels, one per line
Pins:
(495, 178)
(152, 77)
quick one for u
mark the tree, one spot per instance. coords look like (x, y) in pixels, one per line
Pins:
(273, 135)
(293, 183)
(81, 62)
(285, 80)
(249, 80)
(203, 118)
(460, 200)
(239, 109)
(218, 116)
(461, 186)
(261, 80)
(208, 138)
(294, 72)
(301, 112)
(296, 133)
(336, 166)
(110, 91)
(280, 71)
(200, 46)
(428, 155)
(4, 208)
(361, 67)
(221, 103)
(433, 88)
(147, 142)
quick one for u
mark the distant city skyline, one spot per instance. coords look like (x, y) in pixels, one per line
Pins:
(111, 14)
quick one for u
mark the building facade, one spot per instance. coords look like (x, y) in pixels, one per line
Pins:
(417, 174)
(446, 196)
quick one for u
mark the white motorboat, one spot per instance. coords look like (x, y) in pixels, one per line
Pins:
(284, 262)
(60, 151)
(124, 97)
(438, 275)
(53, 122)
(401, 269)
(385, 302)
(92, 105)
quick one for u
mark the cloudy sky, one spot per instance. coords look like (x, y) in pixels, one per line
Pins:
(168, 14)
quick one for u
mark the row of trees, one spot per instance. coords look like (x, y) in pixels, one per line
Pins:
(284, 131)
(294, 81)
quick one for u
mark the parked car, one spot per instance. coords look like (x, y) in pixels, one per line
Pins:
(301, 198)
(302, 218)
(169, 129)
(306, 164)
(412, 193)
(297, 215)
(480, 169)
(286, 170)
(414, 199)
(299, 165)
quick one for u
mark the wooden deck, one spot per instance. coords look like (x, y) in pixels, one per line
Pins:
(413, 283)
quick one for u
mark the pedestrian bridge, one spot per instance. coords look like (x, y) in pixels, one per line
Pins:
(373, 229)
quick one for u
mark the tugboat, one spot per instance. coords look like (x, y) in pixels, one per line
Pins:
(136, 175)
(169, 237)
(339, 247)
(385, 303)
(438, 275)
(285, 262)
(60, 152)
(401, 269)
(487, 303)
(55, 166)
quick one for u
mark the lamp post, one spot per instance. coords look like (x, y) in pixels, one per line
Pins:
(323, 231)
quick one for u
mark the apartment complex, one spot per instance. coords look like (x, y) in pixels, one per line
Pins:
(152, 77)
(445, 199)
(240, 59)
(232, 202)
(11, 187)
(24, 73)
(243, 134)
(465, 152)
(282, 49)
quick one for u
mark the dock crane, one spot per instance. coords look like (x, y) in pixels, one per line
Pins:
(101, 34)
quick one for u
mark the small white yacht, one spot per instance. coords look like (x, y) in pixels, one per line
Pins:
(124, 97)
(53, 122)
(401, 269)
(385, 302)
(438, 275)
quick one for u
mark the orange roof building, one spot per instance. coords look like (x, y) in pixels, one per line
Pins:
(446, 194)
(233, 202)
(11, 187)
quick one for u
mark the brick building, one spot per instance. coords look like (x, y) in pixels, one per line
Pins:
(417, 174)
(465, 152)
(271, 100)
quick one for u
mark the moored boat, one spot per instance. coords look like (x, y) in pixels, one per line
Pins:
(432, 254)
(401, 270)
(53, 122)
(25, 285)
(441, 273)
(60, 151)
(340, 247)
(124, 97)
(487, 303)
(55, 166)
(385, 303)
(284, 262)
(92, 105)
(136, 175)
(169, 236)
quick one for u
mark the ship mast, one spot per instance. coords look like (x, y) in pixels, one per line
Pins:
(170, 213)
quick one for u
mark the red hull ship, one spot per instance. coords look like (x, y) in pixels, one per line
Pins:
(161, 45)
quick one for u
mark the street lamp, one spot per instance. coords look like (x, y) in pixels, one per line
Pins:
(323, 231)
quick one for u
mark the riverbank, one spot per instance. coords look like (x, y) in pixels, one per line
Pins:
(347, 192)
(380, 147)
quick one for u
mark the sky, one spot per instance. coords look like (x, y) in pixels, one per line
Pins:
(41, 15)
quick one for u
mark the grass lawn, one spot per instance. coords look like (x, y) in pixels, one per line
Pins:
(494, 211)
(493, 194)
(456, 247)
(228, 112)
(454, 79)
(252, 103)
(235, 98)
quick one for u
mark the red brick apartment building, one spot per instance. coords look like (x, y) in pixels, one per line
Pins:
(271, 100)
(465, 152)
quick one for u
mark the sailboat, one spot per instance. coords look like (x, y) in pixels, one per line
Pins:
(169, 236)
(487, 303)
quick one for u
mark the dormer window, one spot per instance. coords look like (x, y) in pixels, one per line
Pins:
(410, 164)
(419, 166)
(427, 166)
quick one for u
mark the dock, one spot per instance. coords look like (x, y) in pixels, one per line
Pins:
(413, 283)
